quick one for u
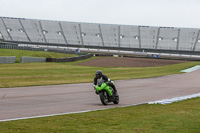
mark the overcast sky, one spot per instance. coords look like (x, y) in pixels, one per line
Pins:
(170, 13)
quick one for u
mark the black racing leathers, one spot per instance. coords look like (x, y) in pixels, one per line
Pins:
(104, 77)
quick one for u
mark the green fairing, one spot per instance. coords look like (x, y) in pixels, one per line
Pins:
(105, 87)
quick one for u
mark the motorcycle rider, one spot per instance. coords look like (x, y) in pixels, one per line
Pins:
(100, 78)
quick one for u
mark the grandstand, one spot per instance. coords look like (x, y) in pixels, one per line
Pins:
(105, 36)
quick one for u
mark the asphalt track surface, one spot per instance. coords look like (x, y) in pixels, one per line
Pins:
(46, 100)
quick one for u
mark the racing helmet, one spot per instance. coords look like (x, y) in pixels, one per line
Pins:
(99, 74)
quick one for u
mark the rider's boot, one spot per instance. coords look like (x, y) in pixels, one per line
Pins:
(115, 90)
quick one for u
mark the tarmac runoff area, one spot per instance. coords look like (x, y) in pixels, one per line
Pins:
(44, 101)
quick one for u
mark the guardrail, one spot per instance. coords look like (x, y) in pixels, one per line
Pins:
(70, 59)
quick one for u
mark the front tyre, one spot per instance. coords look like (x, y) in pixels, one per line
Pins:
(104, 97)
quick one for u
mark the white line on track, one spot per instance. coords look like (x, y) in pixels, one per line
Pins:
(164, 101)
(41, 116)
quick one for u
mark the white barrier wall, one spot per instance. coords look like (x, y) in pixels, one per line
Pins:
(6, 60)
(32, 59)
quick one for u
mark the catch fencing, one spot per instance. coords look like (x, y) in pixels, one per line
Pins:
(7, 60)
(31, 59)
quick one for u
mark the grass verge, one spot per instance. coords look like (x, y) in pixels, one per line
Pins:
(180, 117)
(33, 74)
(20, 53)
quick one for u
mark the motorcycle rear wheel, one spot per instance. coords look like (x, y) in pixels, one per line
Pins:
(116, 101)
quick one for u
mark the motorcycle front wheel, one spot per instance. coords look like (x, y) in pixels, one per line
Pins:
(104, 97)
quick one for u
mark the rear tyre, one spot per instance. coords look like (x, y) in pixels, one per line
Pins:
(104, 97)
(116, 101)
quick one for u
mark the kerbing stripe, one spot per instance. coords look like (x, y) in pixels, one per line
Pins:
(191, 69)
(176, 99)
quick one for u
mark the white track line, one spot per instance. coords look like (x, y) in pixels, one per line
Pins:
(164, 101)
(41, 116)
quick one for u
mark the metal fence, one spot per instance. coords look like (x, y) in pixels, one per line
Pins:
(31, 59)
(7, 60)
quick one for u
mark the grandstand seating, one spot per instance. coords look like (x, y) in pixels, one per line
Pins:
(5, 35)
(71, 32)
(187, 39)
(99, 35)
(148, 37)
(129, 36)
(168, 38)
(15, 30)
(33, 30)
(91, 34)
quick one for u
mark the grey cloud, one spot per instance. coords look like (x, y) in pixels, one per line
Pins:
(176, 13)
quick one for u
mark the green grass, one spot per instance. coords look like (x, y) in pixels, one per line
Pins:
(33, 74)
(181, 117)
(26, 53)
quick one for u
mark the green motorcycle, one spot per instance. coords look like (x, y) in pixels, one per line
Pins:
(105, 93)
